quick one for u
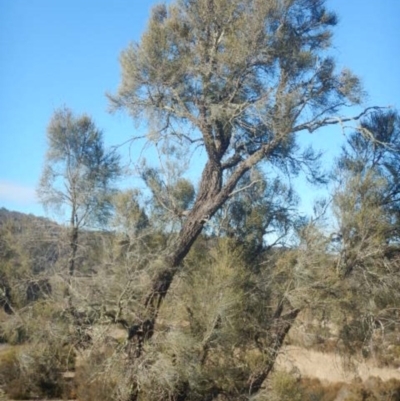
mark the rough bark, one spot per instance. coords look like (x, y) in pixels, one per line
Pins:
(211, 196)
(280, 329)
(5, 296)
(202, 211)
(73, 245)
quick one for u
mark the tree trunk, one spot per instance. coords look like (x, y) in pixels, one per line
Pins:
(5, 297)
(210, 198)
(202, 211)
(280, 328)
(73, 244)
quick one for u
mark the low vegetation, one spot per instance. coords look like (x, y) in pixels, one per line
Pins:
(185, 292)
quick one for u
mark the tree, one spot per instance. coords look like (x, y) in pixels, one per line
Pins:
(347, 270)
(259, 217)
(366, 206)
(172, 199)
(367, 200)
(129, 217)
(243, 77)
(372, 154)
(78, 173)
(239, 79)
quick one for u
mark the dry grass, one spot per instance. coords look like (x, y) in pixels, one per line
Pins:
(330, 367)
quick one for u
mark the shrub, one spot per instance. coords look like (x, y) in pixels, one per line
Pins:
(314, 390)
(284, 387)
(10, 372)
(93, 381)
(34, 370)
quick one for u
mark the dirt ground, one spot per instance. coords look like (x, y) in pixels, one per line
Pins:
(327, 367)
(330, 367)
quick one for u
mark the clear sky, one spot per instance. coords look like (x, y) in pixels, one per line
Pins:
(65, 52)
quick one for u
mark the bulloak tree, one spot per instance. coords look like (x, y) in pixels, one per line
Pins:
(372, 154)
(78, 173)
(239, 79)
(366, 206)
(265, 208)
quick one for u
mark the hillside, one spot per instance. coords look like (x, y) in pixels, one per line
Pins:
(97, 311)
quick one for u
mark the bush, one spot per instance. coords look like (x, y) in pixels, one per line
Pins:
(314, 390)
(93, 382)
(34, 371)
(12, 331)
(374, 389)
(10, 372)
(284, 387)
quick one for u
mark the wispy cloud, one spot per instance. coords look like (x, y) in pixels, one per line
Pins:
(14, 192)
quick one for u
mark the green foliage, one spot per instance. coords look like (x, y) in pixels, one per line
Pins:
(260, 214)
(370, 166)
(78, 171)
(239, 79)
(366, 207)
(171, 198)
(30, 247)
(250, 36)
(196, 343)
(206, 320)
(78, 174)
(215, 334)
(129, 217)
(284, 387)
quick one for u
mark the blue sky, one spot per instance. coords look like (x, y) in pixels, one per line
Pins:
(65, 52)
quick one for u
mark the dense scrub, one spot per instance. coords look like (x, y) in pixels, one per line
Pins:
(227, 315)
(207, 282)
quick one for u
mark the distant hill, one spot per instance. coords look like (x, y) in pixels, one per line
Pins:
(29, 239)
(41, 244)
(18, 218)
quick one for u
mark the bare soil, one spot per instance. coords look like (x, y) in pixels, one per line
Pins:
(329, 367)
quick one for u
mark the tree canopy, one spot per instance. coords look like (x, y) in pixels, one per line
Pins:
(238, 79)
(204, 302)
(78, 172)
